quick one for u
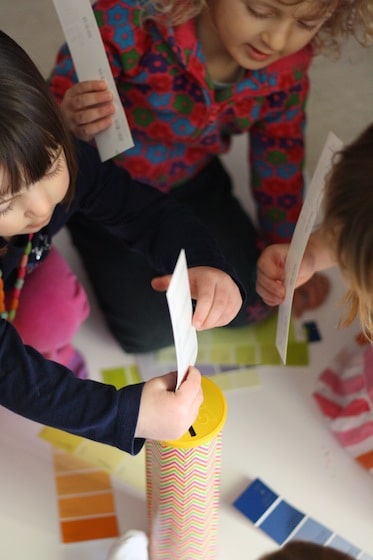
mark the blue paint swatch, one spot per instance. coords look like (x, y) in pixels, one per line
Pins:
(255, 501)
(312, 332)
(343, 545)
(365, 556)
(312, 531)
(281, 522)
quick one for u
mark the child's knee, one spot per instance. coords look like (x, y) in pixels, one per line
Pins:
(53, 305)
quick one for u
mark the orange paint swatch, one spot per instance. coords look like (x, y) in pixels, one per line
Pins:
(86, 503)
(89, 529)
(366, 460)
(82, 506)
(83, 482)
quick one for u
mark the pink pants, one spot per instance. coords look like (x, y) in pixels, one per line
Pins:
(52, 306)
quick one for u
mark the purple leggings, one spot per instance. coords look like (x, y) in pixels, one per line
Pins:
(53, 305)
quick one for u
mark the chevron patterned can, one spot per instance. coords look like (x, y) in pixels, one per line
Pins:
(183, 485)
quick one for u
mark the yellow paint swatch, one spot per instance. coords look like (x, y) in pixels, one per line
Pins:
(244, 346)
(121, 376)
(130, 469)
(236, 379)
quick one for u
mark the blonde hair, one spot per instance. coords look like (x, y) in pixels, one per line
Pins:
(350, 18)
(348, 225)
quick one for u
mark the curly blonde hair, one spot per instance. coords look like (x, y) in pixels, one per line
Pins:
(350, 18)
(347, 225)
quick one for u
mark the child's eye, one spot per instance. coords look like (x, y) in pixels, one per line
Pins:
(5, 209)
(55, 168)
(256, 14)
(309, 26)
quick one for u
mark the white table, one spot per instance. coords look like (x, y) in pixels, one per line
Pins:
(273, 431)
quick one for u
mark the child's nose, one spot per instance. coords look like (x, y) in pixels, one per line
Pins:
(39, 203)
(277, 36)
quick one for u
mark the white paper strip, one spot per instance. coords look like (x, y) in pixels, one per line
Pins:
(91, 63)
(300, 238)
(180, 305)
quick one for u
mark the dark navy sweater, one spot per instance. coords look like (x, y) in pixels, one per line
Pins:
(147, 221)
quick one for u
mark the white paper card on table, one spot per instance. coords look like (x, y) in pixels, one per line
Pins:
(180, 306)
(91, 63)
(303, 229)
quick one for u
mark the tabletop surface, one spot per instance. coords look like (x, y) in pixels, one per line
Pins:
(273, 432)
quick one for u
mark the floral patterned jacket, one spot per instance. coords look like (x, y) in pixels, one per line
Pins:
(180, 120)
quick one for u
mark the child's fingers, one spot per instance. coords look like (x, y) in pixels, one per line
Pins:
(270, 290)
(270, 276)
(191, 384)
(92, 115)
(217, 306)
(88, 108)
(92, 100)
(168, 381)
(87, 131)
(161, 283)
(218, 298)
(87, 86)
(311, 294)
(270, 283)
(190, 393)
(206, 308)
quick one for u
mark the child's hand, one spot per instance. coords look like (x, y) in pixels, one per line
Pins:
(217, 295)
(88, 107)
(270, 280)
(311, 295)
(312, 288)
(270, 274)
(166, 414)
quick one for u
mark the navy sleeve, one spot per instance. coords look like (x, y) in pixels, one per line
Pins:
(48, 393)
(146, 220)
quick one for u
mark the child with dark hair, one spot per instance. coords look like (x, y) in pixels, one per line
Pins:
(134, 546)
(45, 178)
(302, 550)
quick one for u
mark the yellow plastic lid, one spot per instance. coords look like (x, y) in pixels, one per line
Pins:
(210, 419)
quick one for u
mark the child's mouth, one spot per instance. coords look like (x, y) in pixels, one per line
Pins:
(257, 55)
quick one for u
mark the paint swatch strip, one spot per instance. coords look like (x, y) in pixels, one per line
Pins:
(127, 468)
(283, 522)
(85, 498)
(250, 345)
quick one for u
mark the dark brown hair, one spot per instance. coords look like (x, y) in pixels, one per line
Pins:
(32, 129)
(302, 550)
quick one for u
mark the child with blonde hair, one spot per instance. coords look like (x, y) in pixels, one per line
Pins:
(345, 236)
(192, 74)
(344, 388)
